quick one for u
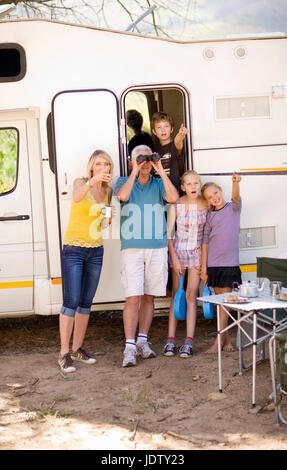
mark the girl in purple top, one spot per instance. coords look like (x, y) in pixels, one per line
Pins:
(220, 251)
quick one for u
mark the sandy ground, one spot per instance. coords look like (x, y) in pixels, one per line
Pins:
(162, 404)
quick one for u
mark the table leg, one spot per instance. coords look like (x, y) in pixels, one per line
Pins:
(254, 357)
(273, 378)
(274, 342)
(239, 345)
(219, 349)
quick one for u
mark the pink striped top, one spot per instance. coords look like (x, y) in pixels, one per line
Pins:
(187, 241)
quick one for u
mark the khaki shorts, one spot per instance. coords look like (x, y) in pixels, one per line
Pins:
(144, 271)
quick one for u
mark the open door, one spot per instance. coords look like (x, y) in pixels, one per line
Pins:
(83, 121)
(16, 235)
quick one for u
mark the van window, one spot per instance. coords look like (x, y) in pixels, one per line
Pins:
(147, 101)
(138, 100)
(12, 62)
(8, 159)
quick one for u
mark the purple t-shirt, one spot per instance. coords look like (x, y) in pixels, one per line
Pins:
(221, 234)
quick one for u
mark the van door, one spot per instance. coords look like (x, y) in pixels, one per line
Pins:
(83, 121)
(16, 240)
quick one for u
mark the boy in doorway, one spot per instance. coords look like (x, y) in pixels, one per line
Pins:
(171, 150)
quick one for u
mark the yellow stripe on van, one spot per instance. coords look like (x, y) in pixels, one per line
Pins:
(264, 169)
(56, 281)
(248, 268)
(15, 285)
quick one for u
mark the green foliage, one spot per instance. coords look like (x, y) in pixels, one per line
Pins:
(8, 159)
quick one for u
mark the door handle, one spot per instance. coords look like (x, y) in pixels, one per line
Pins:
(14, 217)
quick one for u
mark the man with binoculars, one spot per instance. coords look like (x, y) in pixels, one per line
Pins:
(144, 246)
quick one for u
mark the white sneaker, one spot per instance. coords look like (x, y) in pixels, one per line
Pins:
(82, 356)
(130, 358)
(66, 363)
(144, 350)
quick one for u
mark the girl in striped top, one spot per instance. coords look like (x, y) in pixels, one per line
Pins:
(189, 213)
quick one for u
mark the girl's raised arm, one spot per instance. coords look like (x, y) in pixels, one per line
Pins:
(235, 187)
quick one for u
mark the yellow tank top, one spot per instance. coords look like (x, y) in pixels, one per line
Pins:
(84, 227)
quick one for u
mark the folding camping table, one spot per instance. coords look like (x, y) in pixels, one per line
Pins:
(251, 311)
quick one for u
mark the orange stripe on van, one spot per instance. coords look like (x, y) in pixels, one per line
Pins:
(264, 169)
(16, 284)
(248, 268)
(56, 281)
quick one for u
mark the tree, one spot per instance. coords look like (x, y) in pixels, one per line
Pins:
(175, 19)
(168, 19)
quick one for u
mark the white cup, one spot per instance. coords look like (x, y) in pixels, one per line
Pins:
(106, 211)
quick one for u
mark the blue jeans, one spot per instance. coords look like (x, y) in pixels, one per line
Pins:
(81, 273)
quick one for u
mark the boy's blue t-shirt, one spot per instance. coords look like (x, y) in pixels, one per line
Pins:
(143, 221)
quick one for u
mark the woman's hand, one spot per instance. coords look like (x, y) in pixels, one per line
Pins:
(101, 177)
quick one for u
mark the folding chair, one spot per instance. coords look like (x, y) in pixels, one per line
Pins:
(274, 269)
(280, 389)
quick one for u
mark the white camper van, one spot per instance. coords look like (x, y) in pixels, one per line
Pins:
(65, 90)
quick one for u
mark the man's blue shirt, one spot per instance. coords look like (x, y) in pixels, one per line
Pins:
(143, 221)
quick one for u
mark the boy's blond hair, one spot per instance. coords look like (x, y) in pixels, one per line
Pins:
(161, 116)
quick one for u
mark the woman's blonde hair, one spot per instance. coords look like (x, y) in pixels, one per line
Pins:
(95, 154)
(189, 173)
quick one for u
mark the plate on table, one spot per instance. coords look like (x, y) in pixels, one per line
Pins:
(279, 297)
(238, 300)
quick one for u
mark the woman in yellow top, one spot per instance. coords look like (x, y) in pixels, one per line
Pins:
(82, 257)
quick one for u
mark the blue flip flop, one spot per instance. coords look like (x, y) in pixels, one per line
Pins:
(207, 307)
(179, 303)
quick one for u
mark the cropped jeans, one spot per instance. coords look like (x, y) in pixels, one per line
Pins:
(81, 273)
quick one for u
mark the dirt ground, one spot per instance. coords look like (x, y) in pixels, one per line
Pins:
(162, 404)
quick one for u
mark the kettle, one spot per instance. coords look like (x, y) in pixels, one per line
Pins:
(247, 288)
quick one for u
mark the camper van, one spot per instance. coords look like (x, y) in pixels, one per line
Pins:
(64, 92)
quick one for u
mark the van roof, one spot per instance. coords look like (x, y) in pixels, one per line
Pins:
(232, 37)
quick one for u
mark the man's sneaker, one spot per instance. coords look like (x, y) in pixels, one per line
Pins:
(144, 350)
(82, 356)
(66, 363)
(169, 349)
(130, 358)
(185, 350)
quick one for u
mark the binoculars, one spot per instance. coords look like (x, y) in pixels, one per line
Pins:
(154, 157)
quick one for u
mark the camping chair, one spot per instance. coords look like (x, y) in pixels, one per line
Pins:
(279, 390)
(274, 269)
